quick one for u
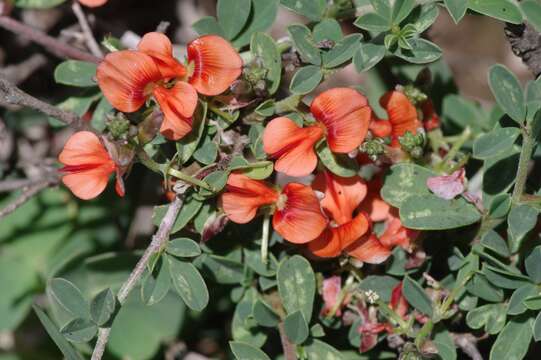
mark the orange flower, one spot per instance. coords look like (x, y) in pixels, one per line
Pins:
(87, 166)
(342, 117)
(342, 197)
(93, 3)
(402, 116)
(129, 78)
(297, 214)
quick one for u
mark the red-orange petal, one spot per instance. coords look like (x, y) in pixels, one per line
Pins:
(373, 204)
(216, 64)
(243, 196)
(369, 249)
(402, 115)
(123, 77)
(300, 219)
(93, 3)
(396, 234)
(178, 105)
(292, 146)
(88, 165)
(380, 128)
(346, 115)
(159, 47)
(342, 195)
(353, 230)
(327, 245)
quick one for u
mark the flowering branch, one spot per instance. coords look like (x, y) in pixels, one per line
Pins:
(158, 241)
(54, 46)
(11, 94)
(87, 32)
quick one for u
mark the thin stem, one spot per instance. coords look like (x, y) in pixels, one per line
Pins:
(528, 144)
(54, 46)
(12, 95)
(265, 239)
(221, 113)
(158, 240)
(189, 179)
(459, 142)
(91, 42)
(288, 347)
(26, 195)
(16, 184)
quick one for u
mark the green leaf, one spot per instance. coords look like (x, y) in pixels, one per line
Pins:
(244, 351)
(422, 51)
(208, 25)
(508, 92)
(533, 302)
(222, 270)
(416, 296)
(189, 283)
(183, 247)
(312, 9)
(305, 80)
(189, 210)
(491, 317)
(504, 10)
(305, 44)
(520, 221)
(339, 164)
(495, 142)
(424, 18)
(187, 145)
(76, 73)
(318, 350)
(481, 287)
(537, 327)
(296, 328)
(457, 9)
(401, 10)
(367, 56)
(252, 258)
(154, 290)
(264, 48)
(264, 315)
(79, 330)
(533, 264)
(327, 29)
(505, 278)
(297, 285)
(65, 347)
(500, 205)
(207, 153)
(79, 104)
(381, 284)
(516, 305)
(69, 297)
(493, 241)
(463, 112)
(317, 331)
(37, 4)
(262, 16)
(445, 344)
(373, 22)
(429, 212)
(342, 51)
(102, 306)
(513, 341)
(532, 11)
(243, 327)
(403, 181)
(232, 15)
(99, 115)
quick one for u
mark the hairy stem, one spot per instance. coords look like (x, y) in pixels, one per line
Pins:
(158, 240)
(54, 46)
(528, 144)
(12, 95)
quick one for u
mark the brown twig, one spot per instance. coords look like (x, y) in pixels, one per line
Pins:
(11, 94)
(26, 195)
(525, 40)
(50, 44)
(161, 237)
(18, 73)
(16, 184)
(91, 42)
(288, 347)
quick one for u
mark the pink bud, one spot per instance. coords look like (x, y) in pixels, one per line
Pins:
(331, 291)
(447, 186)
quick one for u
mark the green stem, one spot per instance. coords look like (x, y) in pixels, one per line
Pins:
(189, 179)
(221, 113)
(460, 141)
(424, 333)
(148, 162)
(528, 144)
